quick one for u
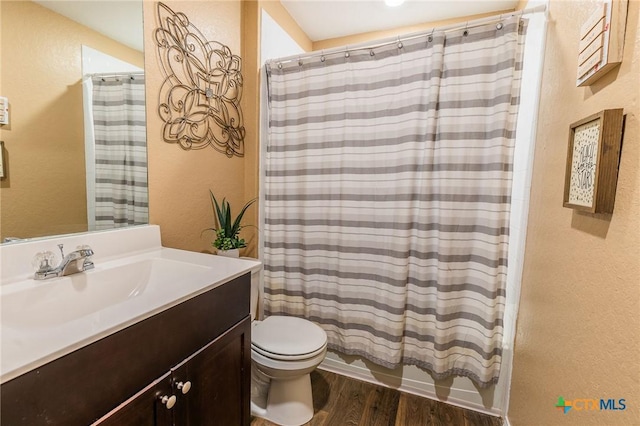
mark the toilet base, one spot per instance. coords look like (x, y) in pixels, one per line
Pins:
(289, 403)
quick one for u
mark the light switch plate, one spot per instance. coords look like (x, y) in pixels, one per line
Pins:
(2, 174)
(4, 110)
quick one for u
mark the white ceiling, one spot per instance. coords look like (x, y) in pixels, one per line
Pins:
(120, 20)
(322, 20)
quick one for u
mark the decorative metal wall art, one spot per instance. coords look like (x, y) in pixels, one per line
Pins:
(199, 100)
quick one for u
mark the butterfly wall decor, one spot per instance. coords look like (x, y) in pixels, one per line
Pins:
(199, 100)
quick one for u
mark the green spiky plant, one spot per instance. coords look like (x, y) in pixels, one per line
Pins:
(227, 229)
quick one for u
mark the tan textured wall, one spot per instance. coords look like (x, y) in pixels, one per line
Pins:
(179, 180)
(578, 332)
(251, 110)
(45, 193)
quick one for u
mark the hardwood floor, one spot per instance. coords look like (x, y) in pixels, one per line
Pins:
(341, 401)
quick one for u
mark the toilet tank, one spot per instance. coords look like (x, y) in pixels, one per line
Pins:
(256, 291)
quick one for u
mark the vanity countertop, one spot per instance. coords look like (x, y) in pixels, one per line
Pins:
(44, 320)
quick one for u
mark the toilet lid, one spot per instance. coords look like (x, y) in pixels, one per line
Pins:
(288, 336)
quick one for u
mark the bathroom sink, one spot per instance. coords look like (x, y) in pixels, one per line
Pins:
(61, 300)
(134, 279)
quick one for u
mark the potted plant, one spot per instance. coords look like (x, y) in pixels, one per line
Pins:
(228, 241)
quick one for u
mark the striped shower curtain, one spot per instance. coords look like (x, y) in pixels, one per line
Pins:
(121, 197)
(387, 197)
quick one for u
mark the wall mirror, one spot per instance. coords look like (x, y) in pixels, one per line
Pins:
(72, 162)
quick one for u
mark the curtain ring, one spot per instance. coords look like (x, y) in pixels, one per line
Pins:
(399, 43)
(299, 62)
(430, 38)
(322, 58)
(346, 52)
(466, 31)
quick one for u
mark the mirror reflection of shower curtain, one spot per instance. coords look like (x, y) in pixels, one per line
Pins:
(119, 124)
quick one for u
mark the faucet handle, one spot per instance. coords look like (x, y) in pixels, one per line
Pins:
(61, 247)
(88, 251)
(44, 261)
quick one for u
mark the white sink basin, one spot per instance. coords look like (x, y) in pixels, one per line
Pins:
(59, 300)
(44, 320)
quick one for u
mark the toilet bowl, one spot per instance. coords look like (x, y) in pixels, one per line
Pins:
(284, 351)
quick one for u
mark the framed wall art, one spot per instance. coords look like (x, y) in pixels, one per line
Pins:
(592, 162)
(601, 42)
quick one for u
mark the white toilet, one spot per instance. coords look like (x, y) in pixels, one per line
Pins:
(284, 351)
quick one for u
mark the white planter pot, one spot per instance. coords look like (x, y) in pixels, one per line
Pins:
(229, 253)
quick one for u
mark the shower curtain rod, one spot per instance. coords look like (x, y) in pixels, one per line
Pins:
(115, 74)
(387, 41)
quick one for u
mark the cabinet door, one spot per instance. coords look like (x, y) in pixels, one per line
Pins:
(146, 408)
(219, 376)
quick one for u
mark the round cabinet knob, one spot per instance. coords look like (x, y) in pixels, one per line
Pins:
(168, 401)
(184, 387)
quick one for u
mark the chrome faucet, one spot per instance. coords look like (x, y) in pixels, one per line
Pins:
(74, 262)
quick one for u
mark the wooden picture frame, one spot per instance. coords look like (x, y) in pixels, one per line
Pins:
(601, 42)
(592, 162)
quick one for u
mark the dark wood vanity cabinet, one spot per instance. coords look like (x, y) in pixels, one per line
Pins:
(143, 409)
(215, 376)
(122, 379)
